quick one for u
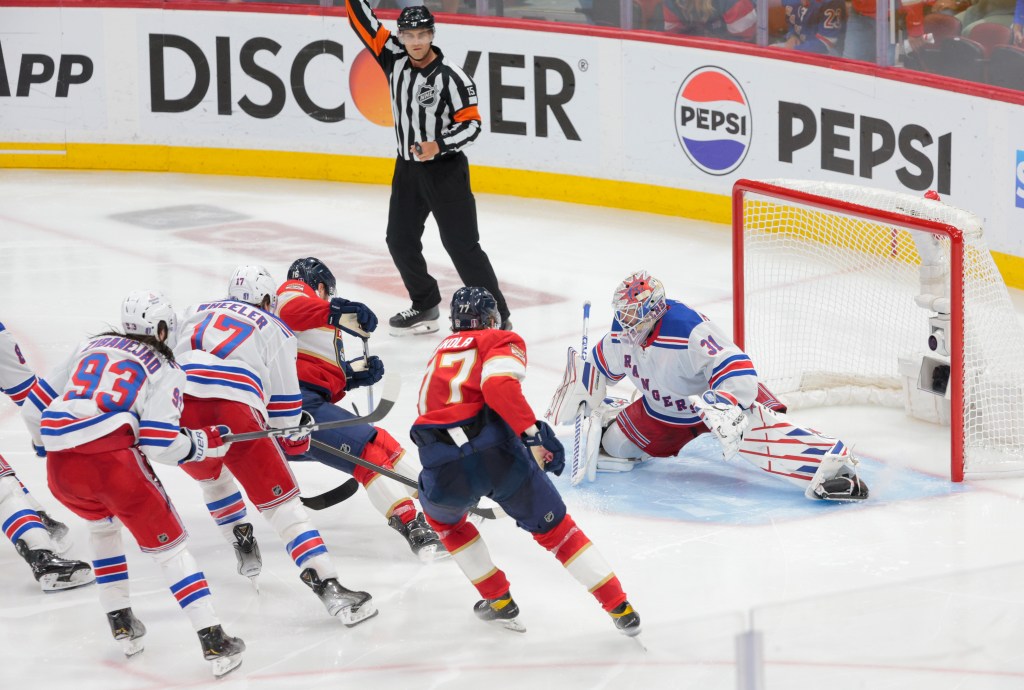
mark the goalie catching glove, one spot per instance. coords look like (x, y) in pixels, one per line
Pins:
(726, 420)
(206, 443)
(547, 450)
(582, 384)
(297, 442)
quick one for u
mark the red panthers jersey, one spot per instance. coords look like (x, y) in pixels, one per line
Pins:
(470, 369)
(320, 346)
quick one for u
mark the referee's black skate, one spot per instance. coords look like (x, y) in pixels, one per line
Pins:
(127, 630)
(414, 321)
(504, 611)
(222, 650)
(423, 540)
(350, 607)
(52, 572)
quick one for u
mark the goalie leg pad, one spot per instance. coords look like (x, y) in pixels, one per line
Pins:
(582, 383)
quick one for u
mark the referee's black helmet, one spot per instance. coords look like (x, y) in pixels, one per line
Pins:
(416, 17)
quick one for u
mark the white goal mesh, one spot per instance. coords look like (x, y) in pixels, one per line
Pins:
(826, 279)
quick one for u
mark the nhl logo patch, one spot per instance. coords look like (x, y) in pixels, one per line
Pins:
(549, 517)
(162, 538)
(427, 95)
(345, 448)
(276, 490)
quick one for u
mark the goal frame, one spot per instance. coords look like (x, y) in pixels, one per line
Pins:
(954, 234)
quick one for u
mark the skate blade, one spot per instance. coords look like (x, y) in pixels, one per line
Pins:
(225, 664)
(255, 583)
(131, 647)
(429, 554)
(422, 328)
(636, 638)
(53, 583)
(353, 617)
(510, 624)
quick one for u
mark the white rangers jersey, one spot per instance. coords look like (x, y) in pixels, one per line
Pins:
(16, 379)
(231, 350)
(685, 354)
(111, 382)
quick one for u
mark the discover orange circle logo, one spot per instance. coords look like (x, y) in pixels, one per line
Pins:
(369, 89)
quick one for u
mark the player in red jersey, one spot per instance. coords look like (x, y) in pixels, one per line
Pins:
(307, 305)
(478, 436)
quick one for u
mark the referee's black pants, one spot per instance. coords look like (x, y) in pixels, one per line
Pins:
(441, 187)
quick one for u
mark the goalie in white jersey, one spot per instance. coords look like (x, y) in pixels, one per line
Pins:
(691, 378)
(35, 535)
(118, 403)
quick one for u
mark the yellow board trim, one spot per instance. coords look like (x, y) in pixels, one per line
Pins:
(630, 196)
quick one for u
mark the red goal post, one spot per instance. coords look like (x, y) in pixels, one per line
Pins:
(847, 295)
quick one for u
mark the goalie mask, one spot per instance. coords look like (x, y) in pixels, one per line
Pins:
(473, 308)
(639, 302)
(143, 312)
(312, 272)
(250, 284)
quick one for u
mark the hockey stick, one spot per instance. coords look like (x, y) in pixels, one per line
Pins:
(333, 497)
(578, 442)
(487, 513)
(366, 358)
(392, 384)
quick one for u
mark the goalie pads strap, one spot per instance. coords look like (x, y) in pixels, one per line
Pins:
(581, 383)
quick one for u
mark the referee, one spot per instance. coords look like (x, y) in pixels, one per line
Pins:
(434, 104)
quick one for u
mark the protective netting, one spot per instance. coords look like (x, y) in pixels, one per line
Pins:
(829, 306)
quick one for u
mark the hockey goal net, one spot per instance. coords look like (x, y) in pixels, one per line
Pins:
(847, 295)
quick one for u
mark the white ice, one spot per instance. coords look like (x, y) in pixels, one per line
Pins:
(922, 586)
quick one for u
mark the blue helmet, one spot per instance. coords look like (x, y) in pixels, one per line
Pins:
(312, 272)
(415, 17)
(474, 308)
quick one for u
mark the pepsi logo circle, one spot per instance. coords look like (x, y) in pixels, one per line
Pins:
(713, 120)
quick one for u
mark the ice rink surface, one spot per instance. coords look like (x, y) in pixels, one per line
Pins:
(921, 586)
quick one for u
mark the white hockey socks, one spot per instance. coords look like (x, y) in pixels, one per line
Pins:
(18, 519)
(109, 564)
(188, 585)
(224, 500)
(302, 540)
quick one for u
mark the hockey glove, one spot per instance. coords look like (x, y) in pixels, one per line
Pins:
(40, 451)
(206, 443)
(547, 450)
(297, 443)
(720, 413)
(363, 372)
(352, 317)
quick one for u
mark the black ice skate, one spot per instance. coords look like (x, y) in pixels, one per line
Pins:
(350, 607)
(627, 620)
(127, 629)
(57, 530)
(504, 611)
(845, 487)
(247, 551)
(423, 540)
(52, 572)
(223, 651)
(414, 322)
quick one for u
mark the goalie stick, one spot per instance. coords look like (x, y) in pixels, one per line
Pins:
(487, 513)
(392, 384)
(579, 441)
(333, 497)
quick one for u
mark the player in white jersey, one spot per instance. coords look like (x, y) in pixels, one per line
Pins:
(240, 363)
(118, 407)
(692, 378)
(35, 535)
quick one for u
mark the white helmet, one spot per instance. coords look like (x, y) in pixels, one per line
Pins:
(639, 302)
(143, 311)
(250, 284)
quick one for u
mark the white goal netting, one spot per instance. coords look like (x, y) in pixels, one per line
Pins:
(831, 298)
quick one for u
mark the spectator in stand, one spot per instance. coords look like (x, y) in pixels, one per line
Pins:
(860, 28)
(816, 26)
(1018, 24)
(973, 12)
(734, 19)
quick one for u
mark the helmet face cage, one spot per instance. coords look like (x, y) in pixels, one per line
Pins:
(250, 284)
(473, 308)
(142, 312)
(639, 302)
(312, 272)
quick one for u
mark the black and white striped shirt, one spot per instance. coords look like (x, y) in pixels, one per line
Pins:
(436, 103)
